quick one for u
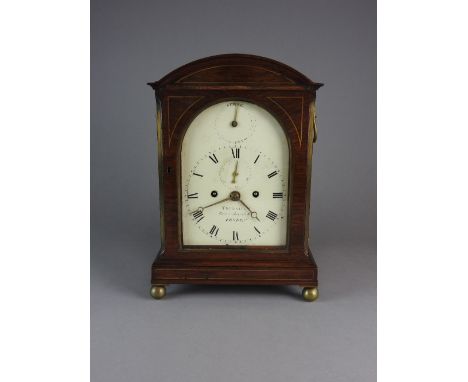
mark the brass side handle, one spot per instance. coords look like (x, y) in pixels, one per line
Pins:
(315, 129)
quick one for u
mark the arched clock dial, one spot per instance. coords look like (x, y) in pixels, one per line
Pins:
(235, 176)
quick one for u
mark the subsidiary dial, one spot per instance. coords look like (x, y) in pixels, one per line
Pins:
(234, 123)
(234, 170)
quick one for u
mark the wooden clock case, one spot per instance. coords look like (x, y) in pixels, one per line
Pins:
(287, 95)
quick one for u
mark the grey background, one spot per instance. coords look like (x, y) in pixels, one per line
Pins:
(232, 333)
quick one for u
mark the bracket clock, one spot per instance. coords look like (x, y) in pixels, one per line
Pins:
(235, 135)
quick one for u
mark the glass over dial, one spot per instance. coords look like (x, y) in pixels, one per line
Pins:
(234, 177)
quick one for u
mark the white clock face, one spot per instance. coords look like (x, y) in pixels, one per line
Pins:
(235, 177)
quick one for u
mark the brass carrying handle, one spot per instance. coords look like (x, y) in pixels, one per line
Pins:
(315, 129)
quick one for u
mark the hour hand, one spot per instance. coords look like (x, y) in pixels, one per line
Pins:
(253, 214)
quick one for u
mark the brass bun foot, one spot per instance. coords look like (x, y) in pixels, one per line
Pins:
(158, 291)
(310, 294)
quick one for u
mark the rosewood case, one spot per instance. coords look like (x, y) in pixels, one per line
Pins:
(290, 97)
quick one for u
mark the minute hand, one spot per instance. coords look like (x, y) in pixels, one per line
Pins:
(252, 213)
(212, 204)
